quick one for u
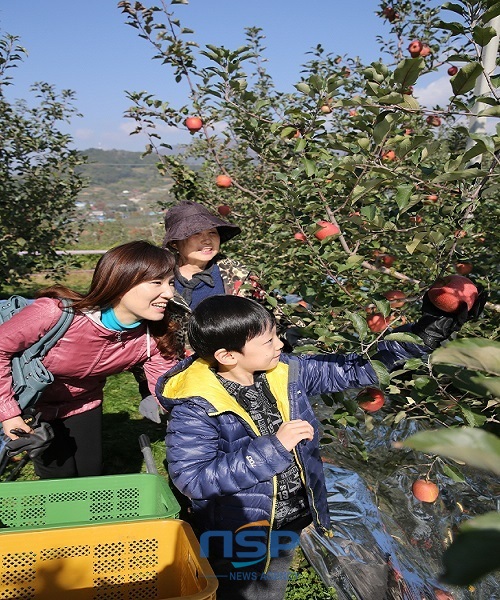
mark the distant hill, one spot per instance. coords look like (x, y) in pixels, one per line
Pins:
(119, 179)
(107, 167)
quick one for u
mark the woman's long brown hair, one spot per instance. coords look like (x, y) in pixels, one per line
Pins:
(119, 270)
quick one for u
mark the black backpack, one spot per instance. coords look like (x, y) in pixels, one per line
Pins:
(29, 376)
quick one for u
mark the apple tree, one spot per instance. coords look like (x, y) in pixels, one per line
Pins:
(38, 175)
(410, 192)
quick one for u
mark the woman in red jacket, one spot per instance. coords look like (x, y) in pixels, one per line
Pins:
(120, 323)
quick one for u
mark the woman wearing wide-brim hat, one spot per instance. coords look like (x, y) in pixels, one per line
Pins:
(195, 235)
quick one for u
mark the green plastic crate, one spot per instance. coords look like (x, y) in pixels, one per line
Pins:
(53, 503)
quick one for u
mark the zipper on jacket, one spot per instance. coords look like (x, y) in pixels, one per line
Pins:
(271, 521)
(327, 532)
(119, 337)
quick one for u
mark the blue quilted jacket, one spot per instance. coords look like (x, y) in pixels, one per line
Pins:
(215, 453)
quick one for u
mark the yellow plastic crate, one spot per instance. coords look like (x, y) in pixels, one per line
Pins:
(150, 559)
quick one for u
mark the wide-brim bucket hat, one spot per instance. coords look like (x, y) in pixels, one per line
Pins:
(187, 218)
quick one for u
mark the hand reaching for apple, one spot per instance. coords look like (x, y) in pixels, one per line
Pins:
(293, 432)
(436, 325)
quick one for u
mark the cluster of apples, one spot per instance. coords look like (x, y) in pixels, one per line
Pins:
(326, 229)
(417, 48)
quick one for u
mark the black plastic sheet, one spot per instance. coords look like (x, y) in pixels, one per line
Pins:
(387, 545)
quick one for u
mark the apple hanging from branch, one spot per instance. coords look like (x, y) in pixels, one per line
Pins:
(371, 399)
(224, 210)
(450, 292)
(377, 322)
(425, 490)
(327, 229)
(194, 124)
(223, 181)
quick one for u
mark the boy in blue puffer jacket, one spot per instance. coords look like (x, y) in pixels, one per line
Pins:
(242, 438)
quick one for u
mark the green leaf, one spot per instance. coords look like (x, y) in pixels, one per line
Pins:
(483, 35)
(472, 446)
(359, 324)
(367, 185)
(354, 260)
(454, 27)
(300, 144)
(456, 175)
(491, 13)
(408, 144)
(473, 554)
(493, 111)
(471, 381)
(402, 337)
(472, 418)
(285, 132)
(457, 8)
(417, 239)
(303, 87)
(465, 80)
(392, 98)
(310, 166)
(384, 307)
(403, 193)
(487, 521)
(382, 373)
(408, 71)
(476, 354)
(385, 122)
(453, 473)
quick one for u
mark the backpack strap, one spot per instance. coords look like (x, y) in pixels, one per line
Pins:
(40, 348)
(11, 306)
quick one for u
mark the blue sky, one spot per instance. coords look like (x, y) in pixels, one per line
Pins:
(87, 47)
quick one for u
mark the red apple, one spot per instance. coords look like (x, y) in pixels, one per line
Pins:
(425, 490)
(388, 155)
(390, 14)
(353, 112)
(432, 198)
(417, 219)
(452, 70)
(463, 268)
(325, 109)
(300, 237)
(460, 233)
(377, 322)
(449, 293)
(371, 399)
(387, 260)
(193, 124)
(433, 121)
(415, 48)
(223, 210)
(425, 50)
(395, 297)
(327, 230)
(223, 181)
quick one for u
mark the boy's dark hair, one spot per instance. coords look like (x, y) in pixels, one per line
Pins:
(226, 322)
